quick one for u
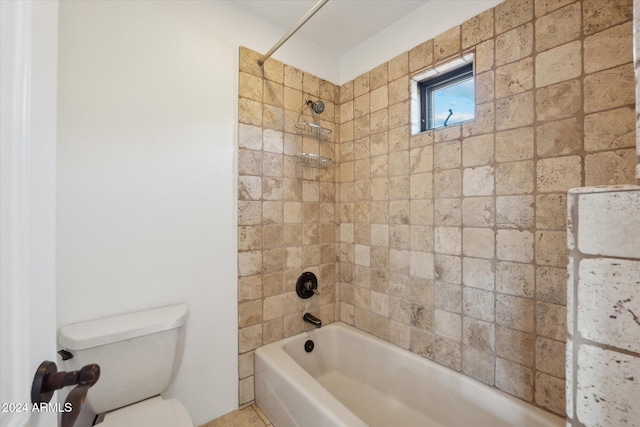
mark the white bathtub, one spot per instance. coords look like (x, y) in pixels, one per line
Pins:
(352, 379)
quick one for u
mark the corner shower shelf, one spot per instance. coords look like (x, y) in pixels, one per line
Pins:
(306, 134)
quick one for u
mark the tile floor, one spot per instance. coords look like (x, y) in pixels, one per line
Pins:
(251, 416)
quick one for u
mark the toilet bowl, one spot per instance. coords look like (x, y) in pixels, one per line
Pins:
(138, 355)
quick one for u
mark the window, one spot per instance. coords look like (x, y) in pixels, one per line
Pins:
(444, 96)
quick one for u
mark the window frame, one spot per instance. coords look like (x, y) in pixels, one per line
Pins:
(428, 86)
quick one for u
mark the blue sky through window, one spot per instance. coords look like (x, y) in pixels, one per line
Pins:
(458, 97)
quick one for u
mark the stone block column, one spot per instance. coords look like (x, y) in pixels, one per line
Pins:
(603, 307)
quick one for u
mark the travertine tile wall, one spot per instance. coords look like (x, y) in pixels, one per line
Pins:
(603, 350)
(286, 213)
(636, 57)
(452, 243)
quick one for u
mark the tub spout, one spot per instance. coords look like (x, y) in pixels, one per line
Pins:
(310, 318)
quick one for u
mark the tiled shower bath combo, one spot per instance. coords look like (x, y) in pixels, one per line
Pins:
(450, 243)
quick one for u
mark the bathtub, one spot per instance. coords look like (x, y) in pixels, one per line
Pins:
(353, 379)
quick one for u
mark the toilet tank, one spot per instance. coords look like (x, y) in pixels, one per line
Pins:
(137, 354)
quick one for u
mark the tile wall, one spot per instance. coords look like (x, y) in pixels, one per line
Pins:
(286, 213)
(452, 243)
(603, 350)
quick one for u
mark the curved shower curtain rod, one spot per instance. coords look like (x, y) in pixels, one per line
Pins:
(292, 31)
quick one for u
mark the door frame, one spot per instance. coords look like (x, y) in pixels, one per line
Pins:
(28, 65)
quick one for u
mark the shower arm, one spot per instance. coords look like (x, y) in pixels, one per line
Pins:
(292, 31)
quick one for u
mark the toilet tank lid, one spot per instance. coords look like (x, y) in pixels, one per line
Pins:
(107, 330)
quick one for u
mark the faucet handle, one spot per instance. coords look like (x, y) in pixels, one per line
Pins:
(311, 287)
(307, 285)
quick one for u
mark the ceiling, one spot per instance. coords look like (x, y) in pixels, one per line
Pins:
(339, 25)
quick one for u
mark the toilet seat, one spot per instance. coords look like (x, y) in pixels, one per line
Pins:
(151, 412)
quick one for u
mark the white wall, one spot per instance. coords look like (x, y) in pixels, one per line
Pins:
(146, 171)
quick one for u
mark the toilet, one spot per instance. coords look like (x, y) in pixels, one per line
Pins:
(137, 354)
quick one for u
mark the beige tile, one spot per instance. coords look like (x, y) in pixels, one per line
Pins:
(361, 84)
(399, 90)
(514, 379)
(514, 312)
(398, 116)
(608, 48)
(515, 346)
(485, 84)
(610, 168)
(247, 417)
(559, 138)
(559, 64)
(273, 93)
(421, 56)
(512, 13)
(483, 123)
(551, 321)
(478, 334)
(245, 390)
(542, 7)
(477, 29)
(551, 212)
(478, 181)
(515, 44)
(514, 145)
(249, 137)
(514, 245)
(398, 66)
(478, 242)
(515, 279)
(515, 178)
(602, 14)
(478, 151)
(559, 174)
(514, 211)
(514, 78)
(448, 353)
(514, 111)
(478, 273)
(479, 304)
(609, 89)
(447, 44)
(559, 27)
(378, 76)
(551, 284)
(447, 212)
(550, 357)
(250, 112)
(550, 393)
(379, 98)
(447, 155)
(559, 101)
(551, 248)
(448, 325)
(484, 56)
(447, 183)
(249, 313)
(610, 129)
(478, 365)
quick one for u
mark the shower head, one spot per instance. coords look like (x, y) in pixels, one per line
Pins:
(317, 107)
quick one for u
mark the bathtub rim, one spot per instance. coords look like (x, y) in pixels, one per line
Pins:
(303, 381)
